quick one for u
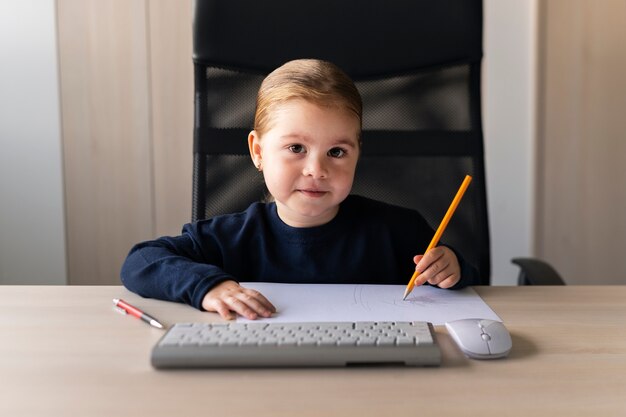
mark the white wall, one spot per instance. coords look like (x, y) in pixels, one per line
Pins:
(509, 126)
(32, 240)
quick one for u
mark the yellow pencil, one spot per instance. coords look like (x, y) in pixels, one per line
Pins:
(440, 229)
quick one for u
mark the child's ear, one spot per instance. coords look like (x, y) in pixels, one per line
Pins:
(254, 146)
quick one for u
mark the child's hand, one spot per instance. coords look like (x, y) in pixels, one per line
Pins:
(439, 267)
(229, 297)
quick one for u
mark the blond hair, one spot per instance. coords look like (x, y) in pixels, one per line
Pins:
(316, 81)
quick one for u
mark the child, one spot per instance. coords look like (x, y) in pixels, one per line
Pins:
(306, 142)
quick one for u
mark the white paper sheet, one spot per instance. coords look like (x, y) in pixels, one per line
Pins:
(346, 302)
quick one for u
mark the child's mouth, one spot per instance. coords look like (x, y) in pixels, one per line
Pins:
(313, 193)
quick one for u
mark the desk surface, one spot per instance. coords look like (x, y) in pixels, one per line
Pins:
(64, 351)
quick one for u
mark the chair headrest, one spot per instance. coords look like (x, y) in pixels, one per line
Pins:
(367, 39)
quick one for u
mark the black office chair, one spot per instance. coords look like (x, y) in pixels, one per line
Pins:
(417, 67)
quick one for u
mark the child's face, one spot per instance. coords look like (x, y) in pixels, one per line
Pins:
(308, 157)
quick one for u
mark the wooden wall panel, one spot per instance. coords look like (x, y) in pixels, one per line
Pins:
(581, 212)
(172, 111)
(105, 106)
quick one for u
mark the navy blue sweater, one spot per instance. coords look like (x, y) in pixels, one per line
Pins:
(368, 242)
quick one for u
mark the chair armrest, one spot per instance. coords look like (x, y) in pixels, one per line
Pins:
(536, 272)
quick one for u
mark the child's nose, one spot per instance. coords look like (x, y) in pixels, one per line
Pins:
(315, 167)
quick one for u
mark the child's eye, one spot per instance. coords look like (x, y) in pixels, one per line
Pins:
(336, 152)
(296, 148)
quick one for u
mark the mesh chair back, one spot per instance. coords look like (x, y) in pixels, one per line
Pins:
(417, 67)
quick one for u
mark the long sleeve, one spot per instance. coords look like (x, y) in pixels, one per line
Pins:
(469, 274)
(174, 268)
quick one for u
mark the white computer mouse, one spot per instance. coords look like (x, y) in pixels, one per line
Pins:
(481, 338)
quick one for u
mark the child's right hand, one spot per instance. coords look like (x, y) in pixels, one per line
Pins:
(228, 299)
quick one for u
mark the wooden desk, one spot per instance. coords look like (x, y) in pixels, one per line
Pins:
(65, 352)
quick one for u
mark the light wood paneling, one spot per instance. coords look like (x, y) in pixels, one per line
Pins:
(127, 110)
(581, 213)
(106, 134)
(172, 111)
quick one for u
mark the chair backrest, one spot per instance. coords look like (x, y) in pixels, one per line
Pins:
(417, 66)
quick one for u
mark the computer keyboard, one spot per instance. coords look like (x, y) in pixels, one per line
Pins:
(269, 344)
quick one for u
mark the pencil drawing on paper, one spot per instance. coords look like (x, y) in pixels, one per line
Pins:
(362, 298)
(367, 302)
(358, 298)
(416, 300)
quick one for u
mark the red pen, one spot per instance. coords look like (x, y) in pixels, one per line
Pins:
(134, 311)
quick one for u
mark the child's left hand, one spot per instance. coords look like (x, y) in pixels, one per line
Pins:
(439, 266)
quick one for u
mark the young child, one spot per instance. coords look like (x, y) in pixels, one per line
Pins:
(306, 142)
